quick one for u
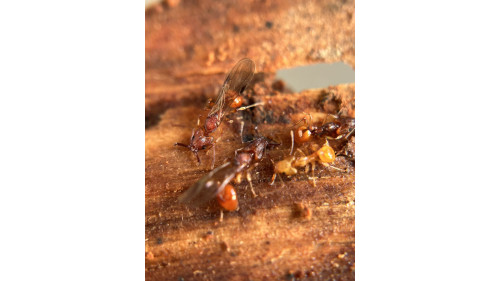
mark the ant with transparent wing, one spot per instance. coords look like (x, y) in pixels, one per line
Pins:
(228, 98)
(215, 184)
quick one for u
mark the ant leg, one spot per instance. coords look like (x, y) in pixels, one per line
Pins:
(249, 106)
(213, 159)
(274, 175)
(312, 171)
(281, 179)
(256, 128)
(221, 216)
(348, 135)
(293, 141)
(237, 178)
(328, 115)
(197, 157)
(273, 179)
(241, 130)
(249, 179)
(301, 152)
(185, 145)
(304, 119)
(213, 148)
(181, 144)
(338, 169)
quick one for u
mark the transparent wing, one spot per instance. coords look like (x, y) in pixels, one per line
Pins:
(209, 185)
(236, 81)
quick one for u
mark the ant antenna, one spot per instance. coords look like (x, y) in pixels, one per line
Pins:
(350, 133)
(241, 130)
(274, 175)
(336, 168)
(249, 106)
(326, 142)
(304, 119)
(333, 116)
(256, 128)
(197, 157)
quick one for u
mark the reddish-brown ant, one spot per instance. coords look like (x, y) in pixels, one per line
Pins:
(340, 127)
(234, 84)
(215, 184)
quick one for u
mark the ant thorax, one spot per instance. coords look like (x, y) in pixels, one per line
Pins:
(212, 123)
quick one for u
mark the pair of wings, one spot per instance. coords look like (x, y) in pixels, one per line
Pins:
(236, 80)
(212, 183)
(209, 185)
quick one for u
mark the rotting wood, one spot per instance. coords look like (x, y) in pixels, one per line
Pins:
(266, 239)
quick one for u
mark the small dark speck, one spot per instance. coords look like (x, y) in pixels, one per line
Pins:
(298, 274)
(269, 24)
(233, 254)
(224, 247)
(268, 242)
(236, 28)
(210, 232)
(289, 276)
(159, 241)
(278, 85)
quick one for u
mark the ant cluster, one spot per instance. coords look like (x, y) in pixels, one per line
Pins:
(339, 129)
(216, 184)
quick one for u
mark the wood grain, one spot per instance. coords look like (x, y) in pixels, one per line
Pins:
(272, 236)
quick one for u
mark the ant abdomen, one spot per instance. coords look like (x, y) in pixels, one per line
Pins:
(227, 198)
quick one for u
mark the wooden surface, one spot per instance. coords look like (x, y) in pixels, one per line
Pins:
(271, 236)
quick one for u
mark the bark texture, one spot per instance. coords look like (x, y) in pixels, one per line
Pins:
(291, 230)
